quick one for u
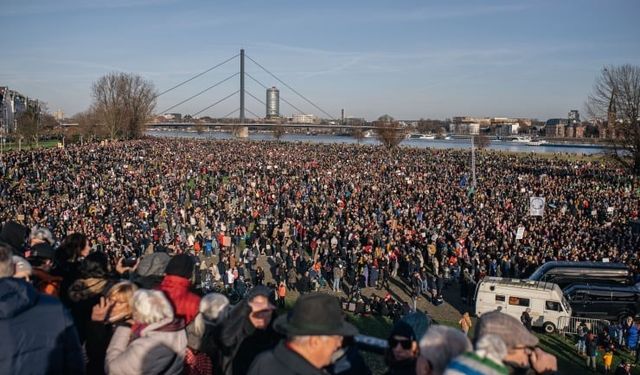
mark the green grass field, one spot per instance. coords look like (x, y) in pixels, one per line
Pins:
(13, 146)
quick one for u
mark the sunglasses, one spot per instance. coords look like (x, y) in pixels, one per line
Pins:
(405, 344)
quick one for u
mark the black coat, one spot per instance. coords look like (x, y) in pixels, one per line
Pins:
(282, 361)
(38, 336)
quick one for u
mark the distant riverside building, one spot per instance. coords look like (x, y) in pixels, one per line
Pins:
(12, 104)
(273, 103)
(555, 127)
(465, 128)
(304, 119)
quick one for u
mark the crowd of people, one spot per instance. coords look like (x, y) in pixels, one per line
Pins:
(121, 232)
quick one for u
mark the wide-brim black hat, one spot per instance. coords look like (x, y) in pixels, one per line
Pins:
(315, 314)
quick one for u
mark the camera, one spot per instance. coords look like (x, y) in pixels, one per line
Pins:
(129, 262)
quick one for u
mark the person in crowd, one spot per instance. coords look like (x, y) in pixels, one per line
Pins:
(592, 350)
(314, 331)
(115, 308)
(438, 347)
(23, 269)
(150, 270)
(465, 323)
(526, 319)
(176, 285)
(582, 338)
(403, 343)
(203, 348)
(248, 331)
(282, 294)
(624, 368)
(38, 333)
(154, 344)
(41, 258)
(93, 283)
(607, 359)
(14, 235)
(502, 345)
(69, 255)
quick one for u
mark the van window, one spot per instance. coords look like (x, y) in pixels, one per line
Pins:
(517, 301)
(499, 298)
(552, 306)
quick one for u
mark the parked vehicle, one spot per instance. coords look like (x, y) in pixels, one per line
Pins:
(567, 273)
(513, 296)
(603, 301)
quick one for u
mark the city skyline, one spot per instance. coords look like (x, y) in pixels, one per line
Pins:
(411, 60)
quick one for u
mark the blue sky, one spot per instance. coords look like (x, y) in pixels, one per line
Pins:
(411, 59)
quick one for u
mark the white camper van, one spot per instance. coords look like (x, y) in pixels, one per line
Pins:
(549, 308)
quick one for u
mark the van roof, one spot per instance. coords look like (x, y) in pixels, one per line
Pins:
(603, 288)
(520, 283)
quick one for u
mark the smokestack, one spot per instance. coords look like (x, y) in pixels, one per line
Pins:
(342, 117)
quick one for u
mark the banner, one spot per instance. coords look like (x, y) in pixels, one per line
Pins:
(536, 206)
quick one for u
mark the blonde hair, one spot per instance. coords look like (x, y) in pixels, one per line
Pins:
(151, 306)
(123, 292)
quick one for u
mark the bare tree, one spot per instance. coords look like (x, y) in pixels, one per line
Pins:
(616, 98)
(27, 126)
(278, 131)
(88, 127)
(358, 134)
(481, 141)
(389, 132)
(123, 103)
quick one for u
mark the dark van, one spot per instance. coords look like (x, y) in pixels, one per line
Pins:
(603, 301)
(566, 273)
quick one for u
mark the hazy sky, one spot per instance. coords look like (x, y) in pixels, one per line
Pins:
(410, 59)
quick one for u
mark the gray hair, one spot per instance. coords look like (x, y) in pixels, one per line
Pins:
(151, 306)
(6, 261)
(41, 234)
(213, 307)
(441, 344)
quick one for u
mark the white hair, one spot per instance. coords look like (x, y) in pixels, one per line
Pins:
(41, 234)
(303, 340)
(441, 344)
(151, 306)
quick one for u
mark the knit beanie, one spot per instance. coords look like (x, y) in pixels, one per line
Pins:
(180, 265)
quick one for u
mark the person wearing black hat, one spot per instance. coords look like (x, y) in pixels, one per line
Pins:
(42, 255)
(248, 331)
(14, 235)
(314, 329)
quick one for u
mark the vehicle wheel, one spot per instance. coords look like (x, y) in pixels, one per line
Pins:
(549, 327)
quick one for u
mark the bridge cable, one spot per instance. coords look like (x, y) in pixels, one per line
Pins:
(256, 116)
(253, 96)
(198, 75)
(216, 103)
(281, 97)
(232, 112)
(201, 92)
(290, 88)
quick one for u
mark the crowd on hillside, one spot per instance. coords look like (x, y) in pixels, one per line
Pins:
(155, 212)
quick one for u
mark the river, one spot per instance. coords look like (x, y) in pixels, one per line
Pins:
(418, 143)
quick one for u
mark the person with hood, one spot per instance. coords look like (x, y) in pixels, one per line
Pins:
(38, 333)
(176, 285)
(403, 343)
(13, 235)
(154, 344)
(248, 331)
(202, 335)
(315, 329)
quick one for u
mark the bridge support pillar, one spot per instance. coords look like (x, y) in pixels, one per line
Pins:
(242, 132)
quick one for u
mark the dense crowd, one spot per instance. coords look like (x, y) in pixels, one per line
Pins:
(122, 232)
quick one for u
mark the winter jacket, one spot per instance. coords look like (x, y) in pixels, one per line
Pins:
(282, 361)
(160, 349)
(37, 333)
(184, 302)
(632, 337)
